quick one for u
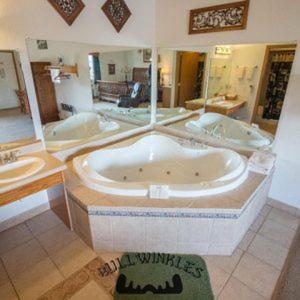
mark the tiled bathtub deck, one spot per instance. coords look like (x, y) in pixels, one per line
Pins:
(42, 253)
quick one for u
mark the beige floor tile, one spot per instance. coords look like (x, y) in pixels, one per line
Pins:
(3, 274)
(92, 291)
(37, 280)
(23, 257)
(257, 275)
(236, 290)
(73, 257)
(7, 292)
(56, 238)
(226, 263)
(268, 251)
(284, 218)
(43, 222)
(107, 257)
(265, 210)
(218, 278)
(246, 241)
(14, 237)
(278, 233)
(257, 223)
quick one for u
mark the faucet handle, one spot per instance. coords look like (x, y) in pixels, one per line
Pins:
(14, 154)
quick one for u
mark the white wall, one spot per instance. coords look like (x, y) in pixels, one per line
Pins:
(37, 19)
(247, 56)
(268, 21)
(8, 84)
(166, 63)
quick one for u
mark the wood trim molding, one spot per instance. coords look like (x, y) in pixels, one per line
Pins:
(31, 188)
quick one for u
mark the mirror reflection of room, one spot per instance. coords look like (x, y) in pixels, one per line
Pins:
(88, 92)
(241, 89)
(121, 84)
(16, 126)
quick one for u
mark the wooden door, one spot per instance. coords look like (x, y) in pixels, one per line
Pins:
(45, 92)
(186, 77)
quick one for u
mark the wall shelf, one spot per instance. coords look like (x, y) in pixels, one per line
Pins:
(69, 69)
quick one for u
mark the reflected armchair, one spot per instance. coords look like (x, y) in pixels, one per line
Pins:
(134, 99)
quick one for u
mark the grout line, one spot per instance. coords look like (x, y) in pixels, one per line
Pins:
(231, 274)
(48, 255)
(9, 278)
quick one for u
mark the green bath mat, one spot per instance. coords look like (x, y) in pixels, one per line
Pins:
(162, 276)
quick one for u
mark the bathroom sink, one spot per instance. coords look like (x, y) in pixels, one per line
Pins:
(20, 169)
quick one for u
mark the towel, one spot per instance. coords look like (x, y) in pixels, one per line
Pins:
(262, 162)
(55, 75)
(250, 72)
(240, 72)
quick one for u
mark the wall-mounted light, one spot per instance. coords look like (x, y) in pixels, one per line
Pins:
(223, 50)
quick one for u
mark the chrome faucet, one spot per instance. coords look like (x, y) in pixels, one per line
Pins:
(8, 157)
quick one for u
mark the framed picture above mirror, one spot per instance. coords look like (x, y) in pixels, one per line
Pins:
(230, 16)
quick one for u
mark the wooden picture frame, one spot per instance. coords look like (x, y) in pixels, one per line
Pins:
(111, 69)
(42, 44)
(147, 54)
(117, 13)
(224, 17)
(68, 12)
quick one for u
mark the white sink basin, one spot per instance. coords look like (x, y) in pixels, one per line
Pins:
(20, 169)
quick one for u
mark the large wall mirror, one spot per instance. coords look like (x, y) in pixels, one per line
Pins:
(241, 88)
(89, 92)
(16, 126)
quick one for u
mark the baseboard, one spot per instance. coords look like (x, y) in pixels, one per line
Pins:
(24, 216)
(287, 208)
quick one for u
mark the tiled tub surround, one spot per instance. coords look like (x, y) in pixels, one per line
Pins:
(209, 225)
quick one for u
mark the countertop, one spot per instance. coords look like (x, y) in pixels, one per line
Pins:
(52, 166)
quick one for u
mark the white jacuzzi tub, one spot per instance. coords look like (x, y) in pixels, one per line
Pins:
(79, 128)
(157, 161)
(237, 132)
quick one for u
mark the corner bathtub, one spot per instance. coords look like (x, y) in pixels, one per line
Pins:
(237, 132)
(159, 161)
(77, 129)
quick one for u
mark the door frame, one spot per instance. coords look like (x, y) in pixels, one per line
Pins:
(264, 72)
(12, 52)
(178, 72)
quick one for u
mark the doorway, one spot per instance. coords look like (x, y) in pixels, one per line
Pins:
(189, 82)
(273, 85)
(15, 116)
(45, 92)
